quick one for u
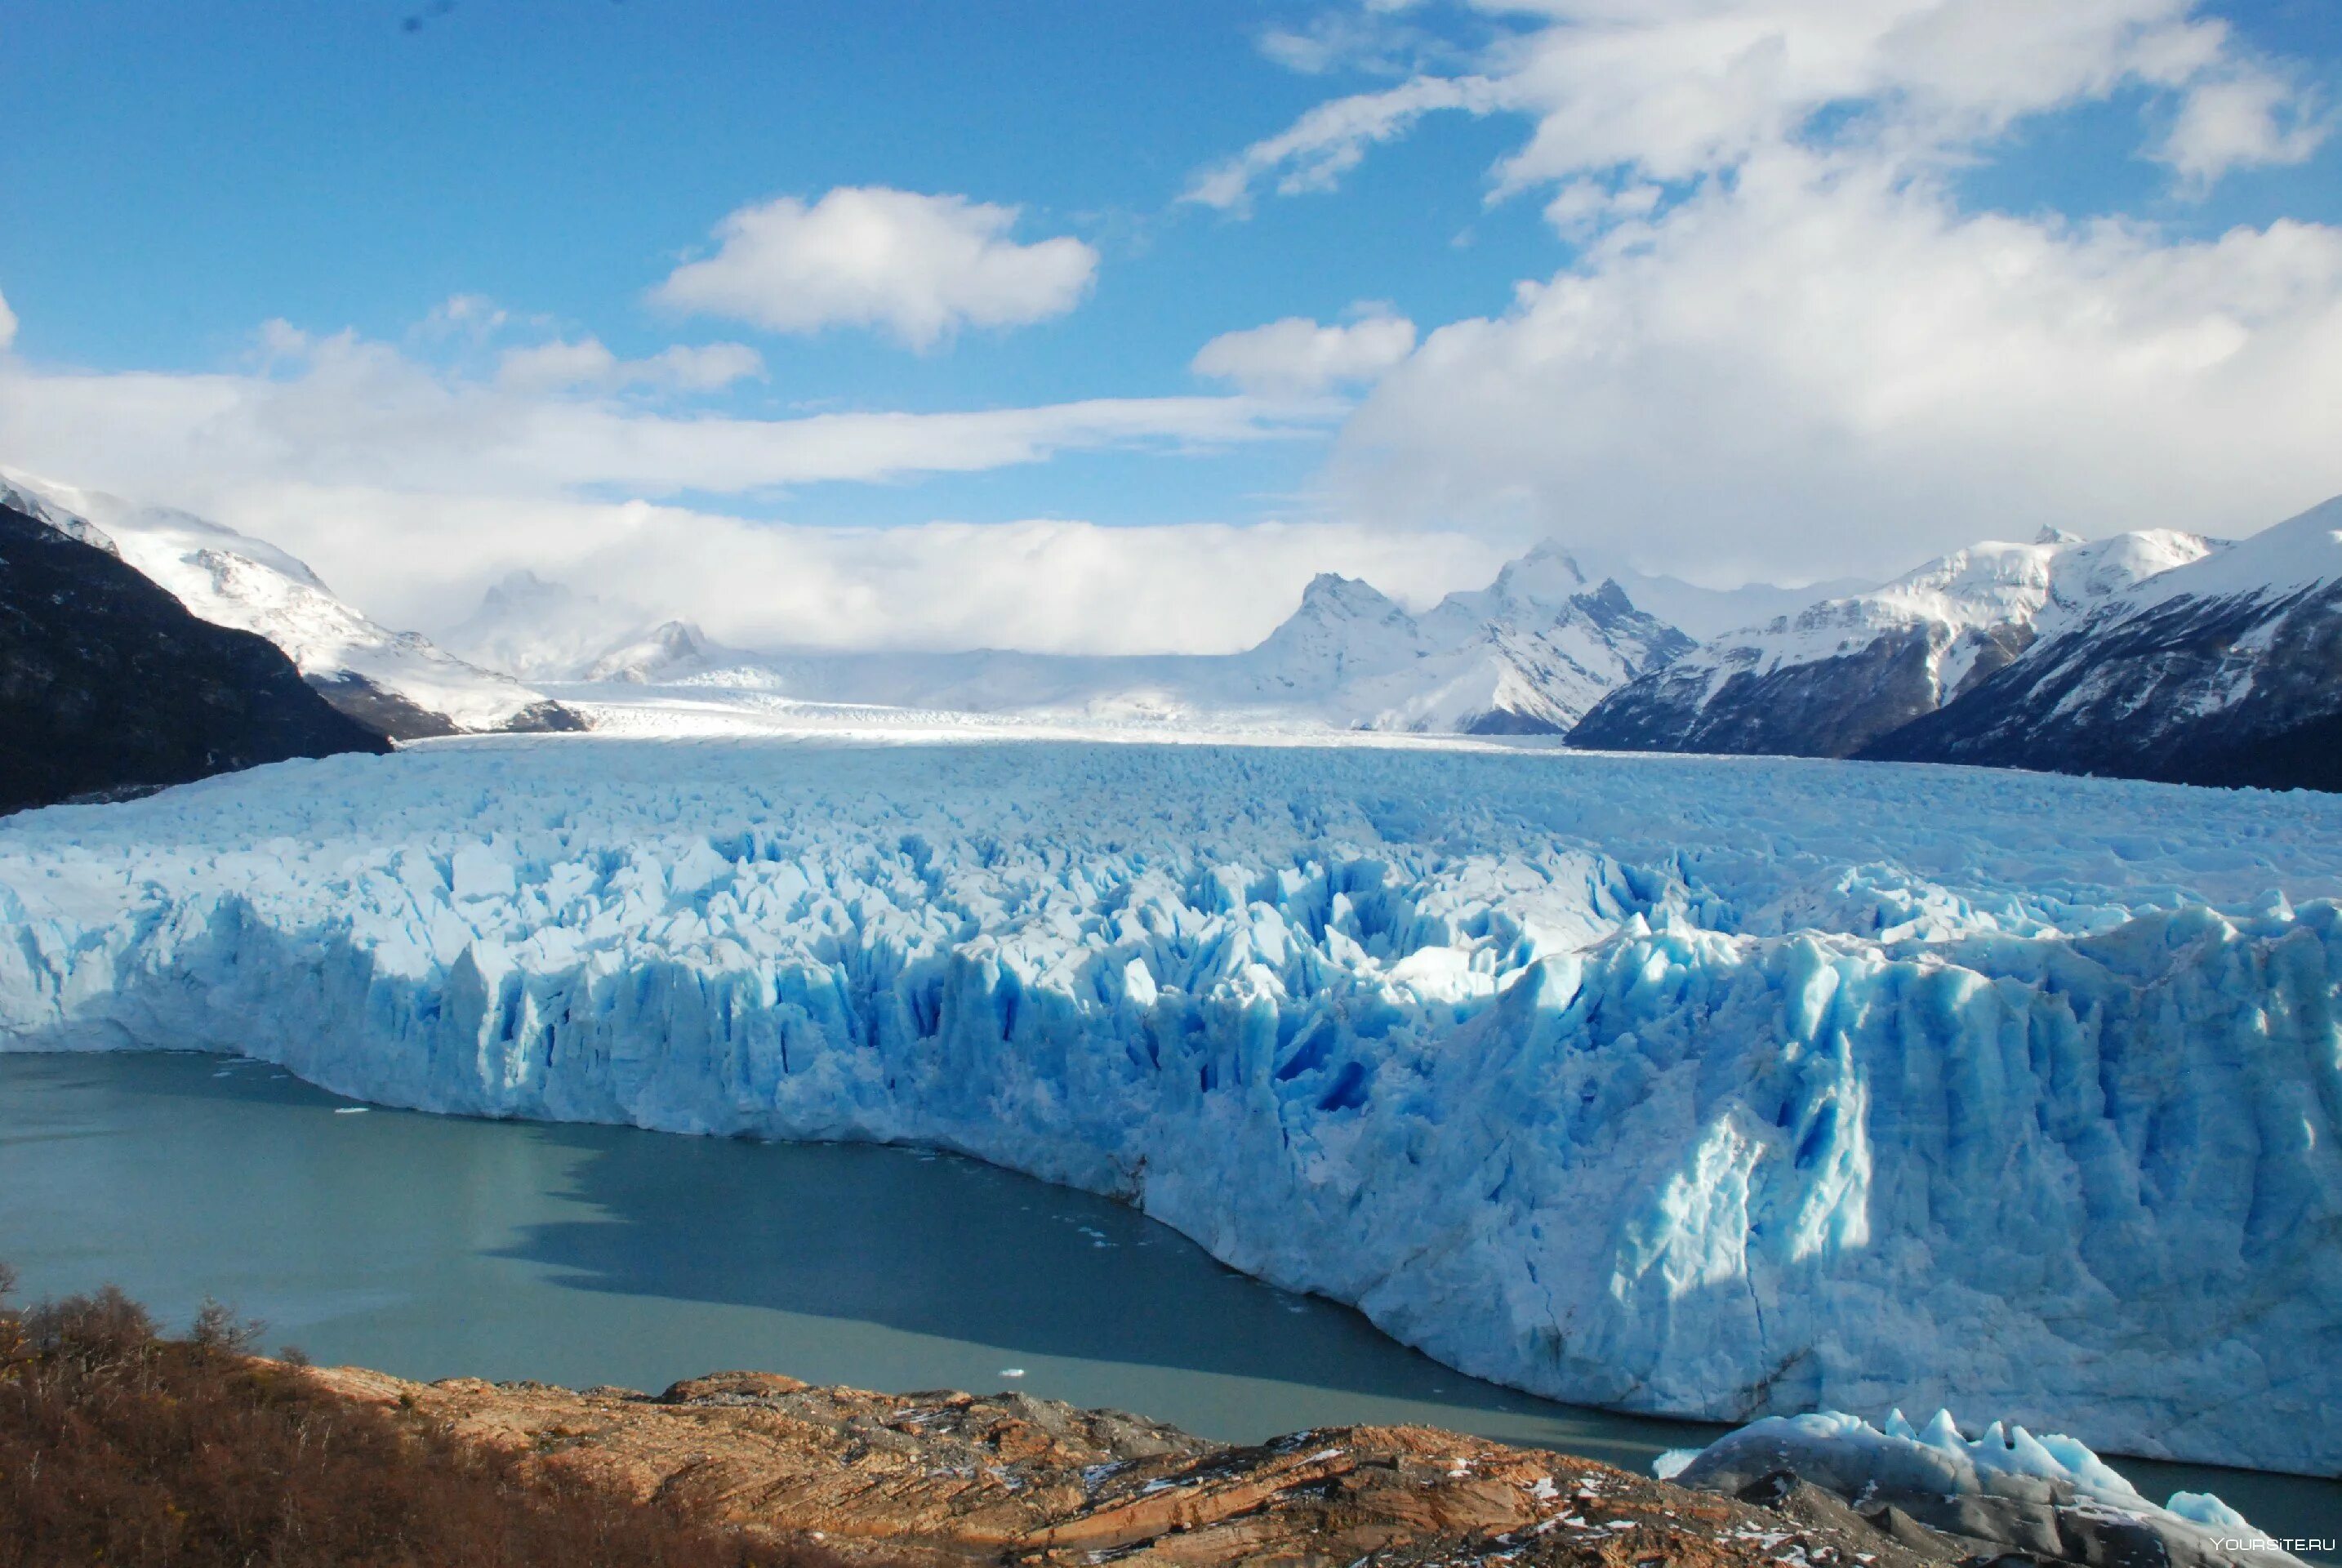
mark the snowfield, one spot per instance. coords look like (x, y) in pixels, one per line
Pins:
(1710, 1086)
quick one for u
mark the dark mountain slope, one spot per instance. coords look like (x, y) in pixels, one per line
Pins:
(1842, 673)
(2155, 696)
(108, 685)
(2226, 670)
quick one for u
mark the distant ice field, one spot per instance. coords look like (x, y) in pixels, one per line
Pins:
(1707, 1087)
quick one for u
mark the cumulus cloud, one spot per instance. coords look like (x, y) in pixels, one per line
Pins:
(1782, 347)
(561, 364)
(8, 323)
(1298, 355)
(915, 266)
(1820, 367)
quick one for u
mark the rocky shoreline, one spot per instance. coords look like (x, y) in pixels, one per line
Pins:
(949, 1478)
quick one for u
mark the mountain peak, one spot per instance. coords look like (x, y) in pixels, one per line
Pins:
(2056, 536)
(1329, 590)
(1344, 626)
(37, 499)
(670, 649)
(2305, 551)
(1546, 574)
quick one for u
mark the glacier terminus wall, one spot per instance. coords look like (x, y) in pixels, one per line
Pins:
(1715, 1087)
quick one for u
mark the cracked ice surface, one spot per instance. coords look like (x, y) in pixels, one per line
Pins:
(1715, 1087)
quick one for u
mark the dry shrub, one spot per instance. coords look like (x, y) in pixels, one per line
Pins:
(122, 1447)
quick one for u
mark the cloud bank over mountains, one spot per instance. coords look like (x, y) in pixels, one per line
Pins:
(415, 486)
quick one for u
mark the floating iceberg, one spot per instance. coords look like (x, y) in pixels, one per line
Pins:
(1712, 1086)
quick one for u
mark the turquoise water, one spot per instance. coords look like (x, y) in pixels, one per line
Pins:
(433, 1246)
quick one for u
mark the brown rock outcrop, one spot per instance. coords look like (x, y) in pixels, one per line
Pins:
(952, 1478)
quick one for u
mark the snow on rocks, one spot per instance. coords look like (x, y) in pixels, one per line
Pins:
(1843, 673)
(2006, 1487)
(1715, 1087)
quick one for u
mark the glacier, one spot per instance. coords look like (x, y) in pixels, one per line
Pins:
(1711, 1087)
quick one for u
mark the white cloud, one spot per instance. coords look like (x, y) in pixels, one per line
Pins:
(1331, 139)
(561, 364)
(469, 315)
(707, 368)
(552, 366)
(1298, 355)
(7, 324)
(915, 266)
(1783, 348)
(344, 410)
(1371, 39)
(2249, 119)
(1675, 89)
(410, 488)
(1821, 367)
(1048, 585)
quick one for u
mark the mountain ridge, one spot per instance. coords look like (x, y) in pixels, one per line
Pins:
(398, 683)
(1844, 672)
(110, 687)
(1528, 654)
(2224, 671)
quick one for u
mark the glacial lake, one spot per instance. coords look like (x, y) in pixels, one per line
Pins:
(433, 1246)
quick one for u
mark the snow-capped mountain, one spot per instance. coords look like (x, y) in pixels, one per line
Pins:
(109, 686)
(1841, 673)
(1530, 653)
(38, 505)
(2228, 670)
(667, 651)
(397, 683)
(1345, 631)
(535, 630)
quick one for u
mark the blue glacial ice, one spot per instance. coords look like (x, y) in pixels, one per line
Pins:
(1718, 1087)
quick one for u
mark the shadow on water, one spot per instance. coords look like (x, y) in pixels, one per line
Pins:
(941, 1244)
(439, 1245)
(937, 1243)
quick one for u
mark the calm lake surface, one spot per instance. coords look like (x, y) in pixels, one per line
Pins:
(431, 1246)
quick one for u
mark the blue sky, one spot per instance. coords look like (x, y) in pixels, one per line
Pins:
(325, 166)
(179, 177)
